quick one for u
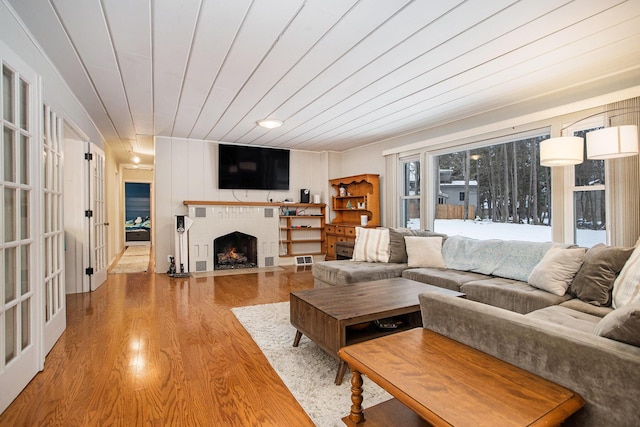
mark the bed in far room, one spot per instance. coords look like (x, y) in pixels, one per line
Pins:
(138, 229)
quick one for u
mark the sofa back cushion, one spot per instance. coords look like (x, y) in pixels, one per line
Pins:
(371, 245)
(397, 245)
(594, 281)
(511, 259)
(424, 251)
(555, 272)
(626, 288)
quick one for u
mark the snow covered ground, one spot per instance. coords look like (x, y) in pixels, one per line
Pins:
(506, 231)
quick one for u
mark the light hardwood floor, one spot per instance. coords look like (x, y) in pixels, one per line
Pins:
(145, 349)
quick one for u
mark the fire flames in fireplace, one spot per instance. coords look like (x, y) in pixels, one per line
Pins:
(231, 257)
(235, 250)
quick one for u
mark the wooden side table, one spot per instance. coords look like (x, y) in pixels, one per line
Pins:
(445, 383)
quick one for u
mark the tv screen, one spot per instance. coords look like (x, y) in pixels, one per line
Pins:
(252, 168)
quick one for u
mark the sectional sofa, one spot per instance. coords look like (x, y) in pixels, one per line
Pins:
(545, 307)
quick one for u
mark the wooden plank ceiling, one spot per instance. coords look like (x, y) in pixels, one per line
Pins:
(339, 73)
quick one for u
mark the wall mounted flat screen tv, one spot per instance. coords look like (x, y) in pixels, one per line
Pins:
(252, 168)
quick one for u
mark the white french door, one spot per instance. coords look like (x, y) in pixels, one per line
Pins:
(21, 355)
(96, 234)
(54, 293)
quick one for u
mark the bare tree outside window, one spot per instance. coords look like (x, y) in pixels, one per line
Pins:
(410, 197)
(502, 183)
(589, 203)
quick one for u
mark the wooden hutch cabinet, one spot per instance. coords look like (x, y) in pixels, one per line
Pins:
(360, 196)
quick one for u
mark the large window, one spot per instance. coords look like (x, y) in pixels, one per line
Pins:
(496, 191)
(410, 194)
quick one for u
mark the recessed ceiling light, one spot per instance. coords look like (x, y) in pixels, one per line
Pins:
(269, 123)
(136, 159)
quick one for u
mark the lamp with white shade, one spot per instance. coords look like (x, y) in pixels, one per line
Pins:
(612, 142)
(562, 151)
(607, 143)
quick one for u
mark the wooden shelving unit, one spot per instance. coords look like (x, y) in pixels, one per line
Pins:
(302, 229)
(362, 198)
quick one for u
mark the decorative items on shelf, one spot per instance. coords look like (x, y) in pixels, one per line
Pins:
(349, 206)
(343, 191)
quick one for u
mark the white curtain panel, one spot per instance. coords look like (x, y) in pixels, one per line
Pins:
(624, 180)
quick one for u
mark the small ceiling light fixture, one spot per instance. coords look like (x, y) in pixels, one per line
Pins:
(270, 123)
(136, 159)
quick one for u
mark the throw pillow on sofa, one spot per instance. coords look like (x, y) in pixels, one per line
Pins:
(424, 251)
(622, 324)
(626, 288)
(594, 281)
(371, 245)
(397, 245)
(555, 272)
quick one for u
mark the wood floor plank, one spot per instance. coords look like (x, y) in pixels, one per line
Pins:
(145, 349)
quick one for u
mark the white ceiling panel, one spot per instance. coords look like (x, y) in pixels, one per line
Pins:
(339, 73)
(337, 43)
(245, 56)
(314, 20)
(218, 27)
(411, 74)
(173, 30)
(129, 23)
(98, 57)
(487, 60)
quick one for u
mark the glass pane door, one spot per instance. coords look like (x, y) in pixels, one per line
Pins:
(53, 239)
(20, 350)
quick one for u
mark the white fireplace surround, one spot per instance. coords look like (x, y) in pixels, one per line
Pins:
(211, 222)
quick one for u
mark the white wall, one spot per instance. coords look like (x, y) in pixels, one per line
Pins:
(186, 169)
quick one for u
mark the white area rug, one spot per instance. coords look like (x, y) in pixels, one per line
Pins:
(135, 259)
(306, 370)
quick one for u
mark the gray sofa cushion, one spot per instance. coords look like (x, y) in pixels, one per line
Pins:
(601, 266)
(622, 324)
(442, 277)
(510, 294)
(579, 305)
(397, 247)
(511, 259)
(567, 317)
(347, 271)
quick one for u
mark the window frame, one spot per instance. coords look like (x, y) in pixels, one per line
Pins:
(403, 197)
(570, 190)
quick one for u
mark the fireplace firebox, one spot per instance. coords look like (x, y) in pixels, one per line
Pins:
(235, 250)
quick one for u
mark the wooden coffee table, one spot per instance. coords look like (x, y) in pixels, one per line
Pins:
(343, 315)
(441, 382)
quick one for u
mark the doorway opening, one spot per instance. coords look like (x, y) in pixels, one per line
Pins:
(137, 207)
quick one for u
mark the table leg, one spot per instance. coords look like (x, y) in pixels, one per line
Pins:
(342, 368)
(356, 416)
(296, 340)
